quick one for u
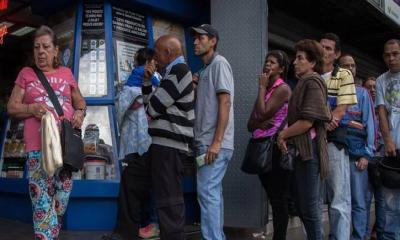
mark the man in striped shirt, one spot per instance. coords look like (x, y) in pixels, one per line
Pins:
(170, 107)
(341, 94)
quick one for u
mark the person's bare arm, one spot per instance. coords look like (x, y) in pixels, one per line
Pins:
(337, 115)
(299, 127)
(390, 147)
(17, 109)
(79, 104)
(224, 106)
(279, 97)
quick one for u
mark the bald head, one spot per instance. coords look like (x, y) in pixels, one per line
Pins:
(167, 48)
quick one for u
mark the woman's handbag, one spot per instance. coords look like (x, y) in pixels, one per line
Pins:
(287, 159)
(260, 152)
(258, 156)
(71, 141)
(51, 158)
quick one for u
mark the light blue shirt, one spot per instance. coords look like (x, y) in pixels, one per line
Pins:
(177, 60)
(388, 95)
(362, 112)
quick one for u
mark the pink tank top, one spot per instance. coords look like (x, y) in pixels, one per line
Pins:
(279, 116)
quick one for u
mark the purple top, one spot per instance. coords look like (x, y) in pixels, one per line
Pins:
(277, 118)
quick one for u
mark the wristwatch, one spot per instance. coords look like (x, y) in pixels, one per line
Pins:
(83, 110)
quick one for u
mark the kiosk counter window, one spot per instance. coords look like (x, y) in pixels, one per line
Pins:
(12, 164)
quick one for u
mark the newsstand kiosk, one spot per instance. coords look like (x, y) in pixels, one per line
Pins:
(98, 41)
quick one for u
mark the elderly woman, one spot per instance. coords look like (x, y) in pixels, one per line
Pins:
(30, 101)
(306, 132)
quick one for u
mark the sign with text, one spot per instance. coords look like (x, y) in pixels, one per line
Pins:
(129, 24)
(392, 10)
(125, 53)
(93, 17)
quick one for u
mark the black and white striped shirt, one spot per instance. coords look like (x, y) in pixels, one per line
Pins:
(171, 107)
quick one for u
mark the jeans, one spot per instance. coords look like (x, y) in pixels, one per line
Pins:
(209, 190)
(308, 182)
(376, 192)
(391, 229)
(338, 193)
(359, 210)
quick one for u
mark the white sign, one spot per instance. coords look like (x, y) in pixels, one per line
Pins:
(126, 59)
(392, 10)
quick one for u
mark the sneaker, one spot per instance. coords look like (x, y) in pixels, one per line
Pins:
(151, 231)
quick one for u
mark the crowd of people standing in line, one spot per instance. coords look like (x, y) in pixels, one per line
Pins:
(337, 124)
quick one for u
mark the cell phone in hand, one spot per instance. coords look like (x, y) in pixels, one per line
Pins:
(201, 160)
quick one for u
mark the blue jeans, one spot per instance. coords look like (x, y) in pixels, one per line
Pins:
(376, 192)
(209, 190)
(391, 229)
(308, 182)
(359, 210)
(339, 194)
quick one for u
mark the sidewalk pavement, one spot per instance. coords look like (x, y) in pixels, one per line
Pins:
(16, 230)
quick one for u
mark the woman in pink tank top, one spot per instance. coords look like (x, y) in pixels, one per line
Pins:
(269, 110)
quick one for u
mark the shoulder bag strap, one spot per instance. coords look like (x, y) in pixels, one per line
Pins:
(49, 90)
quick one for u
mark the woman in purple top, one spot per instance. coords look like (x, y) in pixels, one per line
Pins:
(269, 110)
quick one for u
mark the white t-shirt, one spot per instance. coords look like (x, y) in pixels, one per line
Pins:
(388, 94)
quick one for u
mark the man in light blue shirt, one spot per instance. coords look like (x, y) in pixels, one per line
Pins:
(360, 137)
(388, 103)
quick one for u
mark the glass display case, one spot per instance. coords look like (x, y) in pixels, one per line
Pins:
(99, 144)
(12, 163)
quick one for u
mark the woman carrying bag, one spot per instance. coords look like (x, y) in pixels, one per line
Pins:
(30, 101)
(308, 111)
(268, 114)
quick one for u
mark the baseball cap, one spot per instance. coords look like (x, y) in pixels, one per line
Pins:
(205, 29)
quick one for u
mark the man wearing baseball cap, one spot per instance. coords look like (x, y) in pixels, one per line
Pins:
(213, 128)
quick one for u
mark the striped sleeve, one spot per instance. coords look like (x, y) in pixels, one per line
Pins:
(347, 90)
(172, 87)
(147, 89)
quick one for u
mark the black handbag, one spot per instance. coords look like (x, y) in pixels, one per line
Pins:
(385, 171)
(258, 156)
(71, 140)
(389, 171)
(259, 153)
